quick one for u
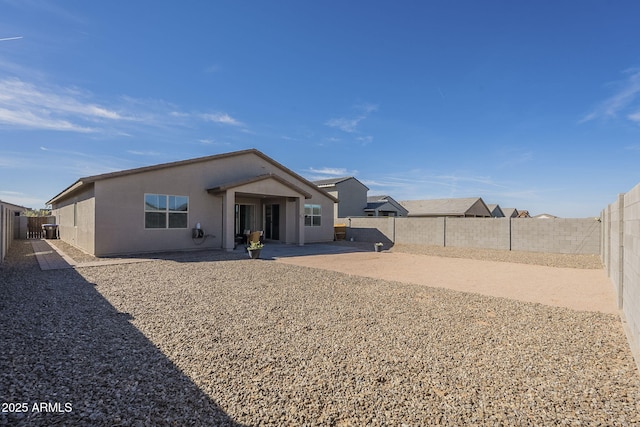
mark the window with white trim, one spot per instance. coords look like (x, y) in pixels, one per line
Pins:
(312, 215)
(164, 211)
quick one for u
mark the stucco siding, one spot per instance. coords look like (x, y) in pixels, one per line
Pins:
(120, 214)
(110, 215)
(76, 220)
(353, 198)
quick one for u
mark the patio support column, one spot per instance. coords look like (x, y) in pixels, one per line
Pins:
(228, 220)
(300, 221)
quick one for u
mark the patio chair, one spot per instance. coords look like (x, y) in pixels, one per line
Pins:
(254, 237)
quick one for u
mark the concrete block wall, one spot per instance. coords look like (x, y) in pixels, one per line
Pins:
(420, 231)
(631, 262)
(559, 235)
(613, 224)
(364, 229)
(571, 236)
(489, 233)
(621, 257)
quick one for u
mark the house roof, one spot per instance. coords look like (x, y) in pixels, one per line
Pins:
(493, 207)
(445, 207)
(13, 206)
(82, 182)
(332, 182)
(378, 202)
(510, 212)
(224, 187)
(372, 199)
(545, 216)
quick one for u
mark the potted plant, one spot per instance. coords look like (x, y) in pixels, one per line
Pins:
(254, 249)
(377, 246)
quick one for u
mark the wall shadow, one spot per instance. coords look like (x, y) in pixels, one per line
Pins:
(70, 358)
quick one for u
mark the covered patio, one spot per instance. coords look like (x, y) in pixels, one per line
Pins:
(265, 203)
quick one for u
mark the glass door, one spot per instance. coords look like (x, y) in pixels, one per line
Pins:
(272, 222)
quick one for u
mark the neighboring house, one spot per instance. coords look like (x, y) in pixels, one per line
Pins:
(523, 214)
(9, 223)
(384, 206)
(351, 195)
(545, 216)
(496, 211)
(510, 212)
(158, 208)
(463, 207)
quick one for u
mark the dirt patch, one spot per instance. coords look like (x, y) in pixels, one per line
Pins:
(585, 289)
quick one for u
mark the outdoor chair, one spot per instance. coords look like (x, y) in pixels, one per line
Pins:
(254, 237)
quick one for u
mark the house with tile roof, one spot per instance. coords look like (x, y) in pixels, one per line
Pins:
(384, 206)
(206, 202)
(457, 207)
(351, 195)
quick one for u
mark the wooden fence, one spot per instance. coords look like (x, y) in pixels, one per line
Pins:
(34, 226)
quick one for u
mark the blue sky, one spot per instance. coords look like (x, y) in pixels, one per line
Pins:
(533, 105)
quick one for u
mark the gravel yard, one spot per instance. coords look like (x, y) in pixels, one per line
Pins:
(214, 338)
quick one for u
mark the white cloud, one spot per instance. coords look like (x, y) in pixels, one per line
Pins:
(350, 124)
(634, 117)
(144, 153)
(344, 124)
(315, 174)
(626, 96)
(26, 105)
(222, 118)
(29, 119)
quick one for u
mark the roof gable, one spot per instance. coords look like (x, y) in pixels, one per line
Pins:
(445, 207)
(332, 182)
(83, 182)
(223, 187)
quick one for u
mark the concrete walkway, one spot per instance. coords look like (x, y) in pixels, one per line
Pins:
(50, 258)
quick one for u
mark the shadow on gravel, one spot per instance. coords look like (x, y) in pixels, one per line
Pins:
(70, 358)
(271, 251)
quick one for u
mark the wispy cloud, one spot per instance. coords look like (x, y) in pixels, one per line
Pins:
(314, 174)
(26, 105)
(350, 123)
(6, 39)
(625, 98)
(222, 118)
(144, 153)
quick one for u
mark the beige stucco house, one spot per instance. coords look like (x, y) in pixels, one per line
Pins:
(158, 208)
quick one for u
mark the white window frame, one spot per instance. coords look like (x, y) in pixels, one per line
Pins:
(308, 213)
(167, 211)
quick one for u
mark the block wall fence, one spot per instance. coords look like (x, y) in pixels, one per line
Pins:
(614, 236)
(620, 254)
(560, 235)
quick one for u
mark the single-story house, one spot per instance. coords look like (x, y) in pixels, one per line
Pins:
(384, 206)
(460, 207)
(206, 202)
(496, 211)
(9, 224)
(351, 193)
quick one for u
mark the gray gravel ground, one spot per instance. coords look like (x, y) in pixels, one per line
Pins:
(217, 339)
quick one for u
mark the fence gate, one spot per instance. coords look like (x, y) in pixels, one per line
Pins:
(34, 226)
